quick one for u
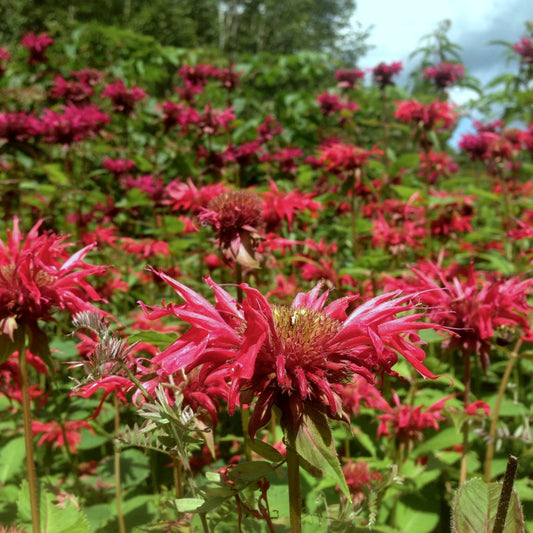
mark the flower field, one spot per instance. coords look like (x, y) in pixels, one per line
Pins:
(267, 294)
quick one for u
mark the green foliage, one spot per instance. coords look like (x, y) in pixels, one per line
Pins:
(475, 507)
(56, 515)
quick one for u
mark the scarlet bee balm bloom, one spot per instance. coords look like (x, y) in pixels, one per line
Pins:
(292, 357)
(37, 275)
(235, 216)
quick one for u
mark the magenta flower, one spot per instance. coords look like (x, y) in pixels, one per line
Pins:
(213, 121)
(73, 124)
(406, 422)
(359, 479)
(38, 275)
(122, 98)
(434, 165)
(444, 74)
(18, 126)
(73, 91)
(293, 357)
(437, 114)
(478, 309)
(5, 57)
(36, 45)
(383, 73)
(524, 48)
(53, 433)
(348, 78)
(333, 103)
(342, 157)
(118, 167)
(279, 206)
(236, 218)
(187, 197)
(178, 115)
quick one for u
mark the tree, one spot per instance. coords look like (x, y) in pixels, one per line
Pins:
(232, 26)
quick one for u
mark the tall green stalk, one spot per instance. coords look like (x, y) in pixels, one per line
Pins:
(295, 493)
(496, 413)
(118, 492)
(28, 433)
(466, 424)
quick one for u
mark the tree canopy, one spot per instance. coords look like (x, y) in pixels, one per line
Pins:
(232, 26)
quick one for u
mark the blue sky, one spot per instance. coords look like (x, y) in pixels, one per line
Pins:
(397, 27)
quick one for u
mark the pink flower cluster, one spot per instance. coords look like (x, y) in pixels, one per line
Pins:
(444, 74)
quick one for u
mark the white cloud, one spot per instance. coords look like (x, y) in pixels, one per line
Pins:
(398, 26)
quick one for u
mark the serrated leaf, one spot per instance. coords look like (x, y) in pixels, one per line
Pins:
(475, 506)
(53, 519)
(315, 444)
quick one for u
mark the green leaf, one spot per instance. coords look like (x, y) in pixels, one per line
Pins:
(55, 174)
(475, 505)
(39, 345)
(11, 457)
(134, 468)
(54, 517)
(155, 338)
(7, 347)
(403, 162)
(266, 450)
(315, 444)
(188, 505)
(98, 516)
(250, 471)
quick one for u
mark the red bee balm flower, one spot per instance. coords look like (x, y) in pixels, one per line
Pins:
(235, 216)
(37, 275)
(293, 357)
(36, 45)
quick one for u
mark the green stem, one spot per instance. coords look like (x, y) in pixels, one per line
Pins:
(295, 496)
(385, 126)
(496, 413)
(354, 223)
(245, 421)
(245, 413)
(28, 434)
(178, 481)
(71, 459)
(466, 425)
(118, 495)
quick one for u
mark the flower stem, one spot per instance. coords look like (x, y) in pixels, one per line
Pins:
(496, 413)
(28, 441)
(385, 125)
(295, 497)
(245, 421)
(118, 496)
(505, 495)
(466, 424)
(354, 224)
(178, 482)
